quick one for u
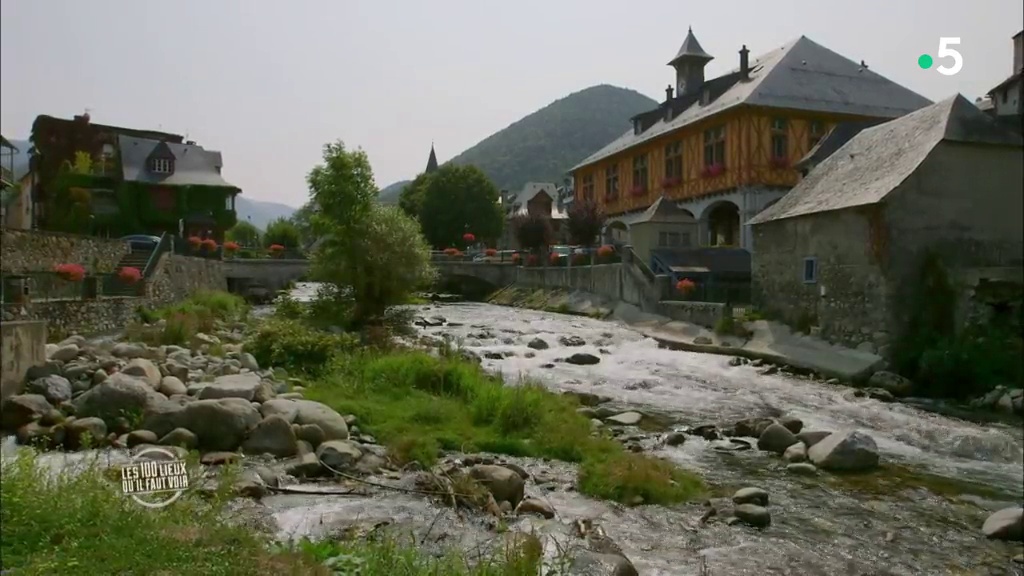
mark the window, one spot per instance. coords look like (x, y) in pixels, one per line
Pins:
(229, 201)
(780, 139)
(161, 166)
(673, 163)
(817, 133)
(714, 147)
(1006, 95)
(588, 187)
(640, 172)
(670, 239)
(810, 270)
(611, 182)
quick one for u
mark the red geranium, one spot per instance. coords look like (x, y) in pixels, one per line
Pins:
(209, 244)
(605, 251)
(195, 241)
(516, 258)
(468, 238)
(451, 251)
(490, 252)
(129, 275)
(686, 286)
(231, 246)
(532, 260)
(70, 272)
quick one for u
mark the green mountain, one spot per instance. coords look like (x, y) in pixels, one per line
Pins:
(543, 145)
(390, 193)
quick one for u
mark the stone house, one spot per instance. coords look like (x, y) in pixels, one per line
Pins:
(17, 200)
(842, 249)
(1006, 100)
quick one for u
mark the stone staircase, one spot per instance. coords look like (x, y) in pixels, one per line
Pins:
(137, 258)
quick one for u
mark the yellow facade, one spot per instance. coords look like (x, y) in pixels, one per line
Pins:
(750, 135)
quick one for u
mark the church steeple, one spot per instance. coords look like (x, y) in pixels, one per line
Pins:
(689, 63)
(432, 161)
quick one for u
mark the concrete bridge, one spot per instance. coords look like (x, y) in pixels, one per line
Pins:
(247, 274)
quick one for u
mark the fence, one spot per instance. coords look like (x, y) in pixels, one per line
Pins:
(23, 288)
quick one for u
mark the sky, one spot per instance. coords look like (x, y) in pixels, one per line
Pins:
(268, 83)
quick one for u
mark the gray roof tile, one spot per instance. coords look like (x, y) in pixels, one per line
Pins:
(877, 160)
(800, 75)
(193, 166)
(691, 48)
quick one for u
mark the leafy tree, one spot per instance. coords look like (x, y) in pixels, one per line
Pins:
(457, 200)
(302, 219)
(533, 231)
(243, 233)
(372, 256)
(282, 231)
(411, 198)
(585, 221)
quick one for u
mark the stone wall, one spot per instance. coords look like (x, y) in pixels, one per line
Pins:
(848, 301)
(706, 314)
(23, 346)
(175, 279)
(622, 282)
(35, 251)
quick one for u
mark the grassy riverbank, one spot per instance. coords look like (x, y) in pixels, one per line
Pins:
(82, 525)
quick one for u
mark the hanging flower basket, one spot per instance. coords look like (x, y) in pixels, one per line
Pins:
(451, 252)
(686, 286)
(129, 275)
(638, 190)
(605, 251)
(209, 245)
(554, 258)
(468, 238)
(580, 260)
(70, 272)
(532, 260)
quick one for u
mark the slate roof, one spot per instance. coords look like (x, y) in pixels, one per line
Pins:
(836, 138)
(431, 161)
(193, 166)
(801, 75)
(661, 210)
(518, 201)
(876, 161)
(691, 48)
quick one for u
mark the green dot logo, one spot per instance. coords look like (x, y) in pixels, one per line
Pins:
(924, 61)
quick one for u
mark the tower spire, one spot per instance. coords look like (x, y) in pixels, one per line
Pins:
(431, 161)
(689, 63)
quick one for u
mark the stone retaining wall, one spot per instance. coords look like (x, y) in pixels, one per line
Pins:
(23, 346)
(706, 314)
(35, 251)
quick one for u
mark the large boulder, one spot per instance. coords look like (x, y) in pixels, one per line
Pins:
(776, 438)
(849, 451)
(20, 409)
(246, 386)
(274, 436)
(332, 423)
(892, 383)
(340, 455)
(54, 388)
(590, 563)
(503, 483)
(65, 353)
(129, 350)
(282, 407)
(145, 370)
(220, 424)
(119, 395)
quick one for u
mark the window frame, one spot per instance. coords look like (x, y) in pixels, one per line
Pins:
(714, 146)
(611, 182)
(641, 172)
(587, 186)
(779, 139)
(813, 277)
(161, 166)
(674, 161)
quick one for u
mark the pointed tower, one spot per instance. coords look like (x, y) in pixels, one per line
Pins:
(689, 63)
(431, 162)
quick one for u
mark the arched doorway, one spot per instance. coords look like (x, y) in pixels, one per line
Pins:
(723, 224)
(616, 232)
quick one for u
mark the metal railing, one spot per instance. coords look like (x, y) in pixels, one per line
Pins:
(263, 253)
(45, 286)
(161, 247)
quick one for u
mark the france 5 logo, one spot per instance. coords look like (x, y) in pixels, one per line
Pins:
(925, 61)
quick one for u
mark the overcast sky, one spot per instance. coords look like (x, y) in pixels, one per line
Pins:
(268, 83)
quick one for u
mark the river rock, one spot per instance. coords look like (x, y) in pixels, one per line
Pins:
(802, 469)
(776, 438)
(171, 385)
(812, 437)
(220, 424)
(332, 423)
(1006, 524)
(753, 515)
(280, 406)
(535, 506)
(892, 383)
(583, 359)
(589, 563)
(340, 455)
(129, 350)
(795, 453)
(248, 361)
(145, 370)
(136, 437)
(675, 438)
(54, 388)
(572, 341)
(85, 432)
(752, 427)
(119, 395)
(65, 353)
(247, 386)
(503, 483)
(273, 435)
(40, 370)
(626, 418)
(538, 344)
(792, 423)
(310, 433)
(850, 451)
(750, 496)
(181, 437)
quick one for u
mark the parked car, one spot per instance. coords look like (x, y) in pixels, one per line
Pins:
(502, 256)
(141, 241)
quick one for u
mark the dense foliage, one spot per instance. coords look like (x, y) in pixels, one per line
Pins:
(372, 255)
(453, 201)
(244, 234)
(282, 232)
(585, 221)
(532, 231)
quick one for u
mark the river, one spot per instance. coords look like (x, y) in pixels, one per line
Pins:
(820, 526)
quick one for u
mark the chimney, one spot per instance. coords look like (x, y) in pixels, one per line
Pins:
(668, 93)
(744, 62)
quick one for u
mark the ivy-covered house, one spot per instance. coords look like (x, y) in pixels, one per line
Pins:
(114, 181)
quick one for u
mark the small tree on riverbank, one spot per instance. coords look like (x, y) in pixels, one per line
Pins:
(374, 256)
(533, 232)
(585, 221)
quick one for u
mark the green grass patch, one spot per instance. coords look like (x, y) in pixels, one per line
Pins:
(185, 319)
(418, 404)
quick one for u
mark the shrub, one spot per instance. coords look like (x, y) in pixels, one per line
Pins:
(533, 231)
(288, 308)
(129, 275)
(295, 346)
(70, 272)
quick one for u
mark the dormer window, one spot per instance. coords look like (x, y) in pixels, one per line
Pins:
(161, 166)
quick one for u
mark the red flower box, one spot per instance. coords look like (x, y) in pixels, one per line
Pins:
(670, 182)
(129, 275)
(712, 171)
(70, 272)
(468, 238)
(209, 244)
(516, 258)
(638, 190)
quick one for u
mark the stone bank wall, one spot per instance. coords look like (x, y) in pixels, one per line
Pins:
(35, 251)
(23, 346)
(178, 277)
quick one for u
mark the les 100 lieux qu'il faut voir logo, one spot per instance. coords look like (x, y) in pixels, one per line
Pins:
(164, 475)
